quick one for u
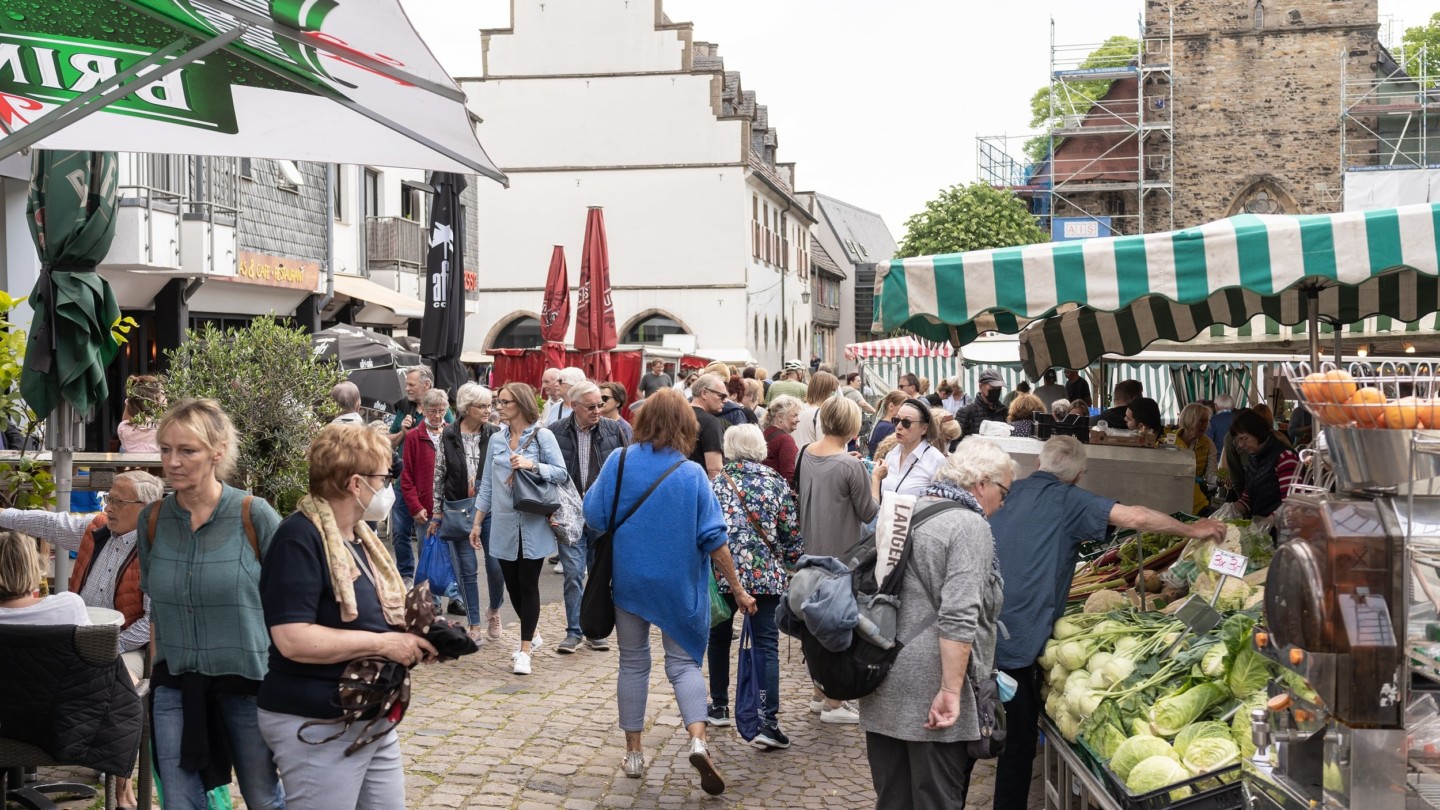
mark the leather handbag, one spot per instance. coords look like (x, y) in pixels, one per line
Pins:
(457, 518)
(530, 492)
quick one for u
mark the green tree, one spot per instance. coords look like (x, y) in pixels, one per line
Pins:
(973, 217)
(24, 483)
(1051, 103)
(268, 380)
(1425, 36)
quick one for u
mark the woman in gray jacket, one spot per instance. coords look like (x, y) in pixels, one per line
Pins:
(916, 724)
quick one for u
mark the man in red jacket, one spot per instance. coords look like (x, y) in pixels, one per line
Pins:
(107, 571)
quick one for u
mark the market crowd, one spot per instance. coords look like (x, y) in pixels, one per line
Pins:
(280, 646)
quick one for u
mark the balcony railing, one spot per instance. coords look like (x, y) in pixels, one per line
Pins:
(394, 242)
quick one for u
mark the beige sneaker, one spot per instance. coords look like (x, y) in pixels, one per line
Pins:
(495, 625)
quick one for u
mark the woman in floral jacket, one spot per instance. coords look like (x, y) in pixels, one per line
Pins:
(765, 540)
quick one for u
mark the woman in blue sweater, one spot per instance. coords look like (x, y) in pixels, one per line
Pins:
(663, 555)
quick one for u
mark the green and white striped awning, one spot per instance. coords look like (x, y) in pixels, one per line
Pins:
(1120, 294)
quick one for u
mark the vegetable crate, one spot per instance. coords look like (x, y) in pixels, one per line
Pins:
(1216, 790)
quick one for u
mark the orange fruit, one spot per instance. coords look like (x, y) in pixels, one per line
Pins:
(1366, 407)
(1401, 414)
(1340, 385)
(1313, 388)
(1428, 413)
(1336, 415)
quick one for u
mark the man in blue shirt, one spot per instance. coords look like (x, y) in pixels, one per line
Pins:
(1037, 538)
(1220, 421)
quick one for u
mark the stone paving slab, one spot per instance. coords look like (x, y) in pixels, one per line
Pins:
(478, 736)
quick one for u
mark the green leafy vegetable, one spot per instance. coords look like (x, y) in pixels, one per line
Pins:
(1155, 773)
(1211, 753)
(1174, 712)
(1198, 731)
(1214, 663)
(1137, 748)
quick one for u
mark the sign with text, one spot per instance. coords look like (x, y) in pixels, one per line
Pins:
(1228, 563)
(274, 271)
(1069, 229)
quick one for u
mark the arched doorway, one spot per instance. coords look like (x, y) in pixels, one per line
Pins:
(652, 327)
(520, 333)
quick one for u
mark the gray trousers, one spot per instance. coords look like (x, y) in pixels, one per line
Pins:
(321, 777)
(633, 688)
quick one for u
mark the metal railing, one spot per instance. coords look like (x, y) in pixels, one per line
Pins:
(392, 241)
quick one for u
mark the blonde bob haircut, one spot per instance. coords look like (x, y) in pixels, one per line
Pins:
(341, 451)
(822, 386)
(839, 417)
(207, 422)
(19, 566)
(667, 420)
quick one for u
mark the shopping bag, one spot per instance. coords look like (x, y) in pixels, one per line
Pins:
(749, 685)
(720, 610)
(435, 566)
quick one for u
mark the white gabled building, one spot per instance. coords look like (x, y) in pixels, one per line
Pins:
(607, 103)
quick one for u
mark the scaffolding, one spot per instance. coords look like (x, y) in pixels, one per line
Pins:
(1388, 112)
(1108, 157)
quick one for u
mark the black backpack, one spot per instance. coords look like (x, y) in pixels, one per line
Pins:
(860, 669)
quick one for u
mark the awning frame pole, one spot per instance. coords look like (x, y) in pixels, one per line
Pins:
(1312, 315)
(113, 89)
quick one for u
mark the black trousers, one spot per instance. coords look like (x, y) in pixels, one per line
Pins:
(1014, 768)
(918, 775)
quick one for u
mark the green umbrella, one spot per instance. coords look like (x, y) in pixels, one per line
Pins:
(72, 218)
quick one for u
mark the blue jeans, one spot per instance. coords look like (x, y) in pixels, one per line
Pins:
(254, 766)
(402, 535)
(575, 561)
(766, 638)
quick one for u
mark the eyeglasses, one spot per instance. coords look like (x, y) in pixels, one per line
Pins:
(907, 385)
(113, 499)
(606, 398)
(907, 422)
(503, 402)
(386, 479)
(1004, 490)
(590, 408)
(481, 405)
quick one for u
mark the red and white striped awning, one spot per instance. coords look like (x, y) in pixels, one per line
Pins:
(905, 346)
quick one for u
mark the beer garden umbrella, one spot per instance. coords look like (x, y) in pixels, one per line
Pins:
(1075, 302)
(371, 360)
(555, 309)
(595, 314)
(442, 330)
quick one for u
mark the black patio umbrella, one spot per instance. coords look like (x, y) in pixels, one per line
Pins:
(442, 332)
(374, 362)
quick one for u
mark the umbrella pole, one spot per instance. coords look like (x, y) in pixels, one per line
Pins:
(1312, 295)
(62, 467)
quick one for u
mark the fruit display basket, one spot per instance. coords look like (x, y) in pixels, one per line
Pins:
(1382, 395)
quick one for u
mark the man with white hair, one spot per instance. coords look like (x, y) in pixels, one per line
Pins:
(586, 439)
(1037, 540)
(561, 408)
(548, 381)
(347, 395)
(1220, 421)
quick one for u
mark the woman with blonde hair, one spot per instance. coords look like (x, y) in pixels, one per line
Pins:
(200, 551)
(1194, 420)
(667, 531)
(886, 426)
(333, 595)
(20, 578)
(821, 388)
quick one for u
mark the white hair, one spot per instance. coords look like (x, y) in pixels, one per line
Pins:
(745, 443)
(148, 488)
(571, 375)
(426, 375)
(1063, 457)
(976, 461)
(580, 389)
(470, 393)
(1224, 402)
(782, 405)
(1060, 408)
(435, 396)
(551, 370)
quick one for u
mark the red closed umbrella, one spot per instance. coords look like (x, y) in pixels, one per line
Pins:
(555, 310)
(595, 313)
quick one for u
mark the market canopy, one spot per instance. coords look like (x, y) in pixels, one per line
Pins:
(897, 347)
(1118, 295)
(347, 82)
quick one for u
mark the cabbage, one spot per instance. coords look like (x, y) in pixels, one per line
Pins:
(1069, 726)
(1156, 773)
(1211, 753)
(1249, 672)
(1174, 712)
(1105, 739)
(1140, 727)
(1233, 592)
(1213, 664)
(1198, 731)
(1073, 654)
(1137, 748)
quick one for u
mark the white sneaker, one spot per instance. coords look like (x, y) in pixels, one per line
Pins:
(817, 706)
(536, 642)
(559, 569)
(520, 662)
(844, 715)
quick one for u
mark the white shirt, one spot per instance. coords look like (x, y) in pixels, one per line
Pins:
(807, 427)
(555, 410)
(916, 475)
(60, 608)
(349, 419)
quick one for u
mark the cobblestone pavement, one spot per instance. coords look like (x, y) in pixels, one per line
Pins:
(477, 736)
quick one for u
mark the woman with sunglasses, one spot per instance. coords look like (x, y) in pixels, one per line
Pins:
(909, 468)
(519, 540)
(332, 595)
(613, 397)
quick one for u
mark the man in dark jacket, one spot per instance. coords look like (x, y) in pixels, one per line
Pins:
(585, 440)
(986, 407)
(1126, 391)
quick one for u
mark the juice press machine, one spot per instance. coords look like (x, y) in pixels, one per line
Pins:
(1350, 611)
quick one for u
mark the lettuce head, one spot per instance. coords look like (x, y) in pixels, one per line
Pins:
(1211, 754)
(1197, 731)
(1156, 773)
(1144, 746)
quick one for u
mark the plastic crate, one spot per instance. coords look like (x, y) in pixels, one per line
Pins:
(1217, 790)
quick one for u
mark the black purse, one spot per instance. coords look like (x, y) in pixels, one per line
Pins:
(989, 715)
(530, 492)
(597, 602)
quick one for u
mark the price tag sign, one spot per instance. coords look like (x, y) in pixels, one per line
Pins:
(1228, 563)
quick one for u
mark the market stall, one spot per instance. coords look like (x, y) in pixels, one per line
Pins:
(883, 361)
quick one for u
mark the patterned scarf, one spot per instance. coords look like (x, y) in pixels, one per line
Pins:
(950, 492)
(344, 569)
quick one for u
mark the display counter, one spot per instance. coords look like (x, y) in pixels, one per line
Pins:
(94, 471)
(1162, 478)
(1069, 784)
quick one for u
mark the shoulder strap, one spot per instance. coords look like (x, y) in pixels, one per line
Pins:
(643, 498)
(249, 525)
(799, 457)
(920, 517)
(754, 522)
(615, 500)
(154, 520)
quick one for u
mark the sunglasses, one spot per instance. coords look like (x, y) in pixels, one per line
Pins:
(718, 393)
(590, 408)
(907, 422)
(606, 398)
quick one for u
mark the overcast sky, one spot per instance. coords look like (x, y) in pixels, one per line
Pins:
(878, 103)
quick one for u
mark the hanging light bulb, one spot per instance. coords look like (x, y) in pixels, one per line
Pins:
(1363, 351)
(1409, 347)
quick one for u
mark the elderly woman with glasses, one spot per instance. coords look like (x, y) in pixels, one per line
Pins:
(520, 540)
(918, 452)
(917, 723)
(459, 465)
(613, 397)
(780, 448)
(1270, 468)
(333, 595)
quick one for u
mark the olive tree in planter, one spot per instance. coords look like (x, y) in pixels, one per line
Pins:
(277, 393)
(25, 483)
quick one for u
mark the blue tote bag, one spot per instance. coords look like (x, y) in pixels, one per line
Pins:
(749, 685)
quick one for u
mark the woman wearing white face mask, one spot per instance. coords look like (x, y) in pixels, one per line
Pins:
(332, 595)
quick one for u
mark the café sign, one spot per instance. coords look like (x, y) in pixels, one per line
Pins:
(274, 271)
